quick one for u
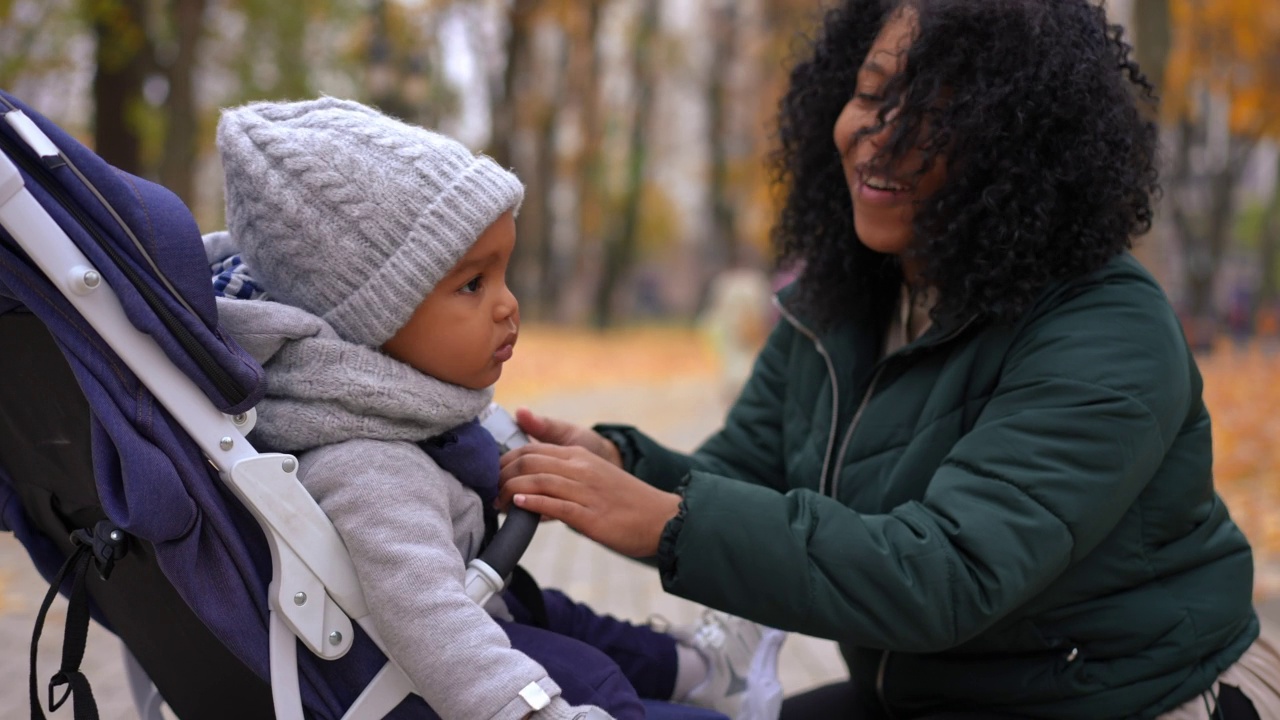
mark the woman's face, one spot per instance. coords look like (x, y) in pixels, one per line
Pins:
(884, 197)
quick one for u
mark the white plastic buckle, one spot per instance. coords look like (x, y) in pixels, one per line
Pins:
(535, 696)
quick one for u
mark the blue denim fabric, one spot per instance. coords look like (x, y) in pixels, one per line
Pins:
(165, 228)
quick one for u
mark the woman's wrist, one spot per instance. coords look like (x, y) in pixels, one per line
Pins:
(667, 508)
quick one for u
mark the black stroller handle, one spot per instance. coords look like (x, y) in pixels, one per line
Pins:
(488, 573)
(511, 540)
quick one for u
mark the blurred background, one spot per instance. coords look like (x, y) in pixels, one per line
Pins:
(642, 129)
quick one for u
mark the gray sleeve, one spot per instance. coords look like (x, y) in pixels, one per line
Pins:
(394, 508)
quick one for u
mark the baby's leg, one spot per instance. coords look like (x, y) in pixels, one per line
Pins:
(585, 675)
(646, 657)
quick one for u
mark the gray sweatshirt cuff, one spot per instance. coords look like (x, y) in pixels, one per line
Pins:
(558, 709)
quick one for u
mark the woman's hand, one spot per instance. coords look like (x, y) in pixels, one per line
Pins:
(589, 494)
(558, 432)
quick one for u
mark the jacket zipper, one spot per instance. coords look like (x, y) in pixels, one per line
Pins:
(835, 479)
(866, 398)
(835, 388)
(853, 424)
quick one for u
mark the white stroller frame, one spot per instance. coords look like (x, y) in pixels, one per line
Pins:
(314, 594)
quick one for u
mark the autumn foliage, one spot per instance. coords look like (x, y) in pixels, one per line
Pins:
(1229, 49)
(1244, 402)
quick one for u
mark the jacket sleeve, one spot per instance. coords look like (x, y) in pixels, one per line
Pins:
(391, 505)
(1090, 400)
(749, 446)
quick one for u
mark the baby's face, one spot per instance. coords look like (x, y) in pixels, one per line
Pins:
(466, 328)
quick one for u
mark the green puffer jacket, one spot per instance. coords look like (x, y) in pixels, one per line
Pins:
(1020, 519)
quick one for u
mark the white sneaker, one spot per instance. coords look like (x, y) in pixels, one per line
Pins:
(742, 666)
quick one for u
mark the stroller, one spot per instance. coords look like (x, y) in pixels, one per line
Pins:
(126, 475)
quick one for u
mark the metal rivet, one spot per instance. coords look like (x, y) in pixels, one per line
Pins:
(226, 443)
(289, 465)
(335, 638)
(300, 599)
(92, 278)
(240, 419)
(116, 536)
(1075, 653)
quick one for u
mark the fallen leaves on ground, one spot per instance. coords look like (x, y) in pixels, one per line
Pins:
(1242, 390)
(563, 360)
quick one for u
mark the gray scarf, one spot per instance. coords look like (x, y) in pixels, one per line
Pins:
(322, 389)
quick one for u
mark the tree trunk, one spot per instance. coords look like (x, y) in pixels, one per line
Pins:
(620, 250)
(177, 164)
(724, 233)
(541, 191)
(591, 197)
(1205, 239)
(1152, 31)
(1268, 245)
(290, 51)
(519, 28)
(123, 55)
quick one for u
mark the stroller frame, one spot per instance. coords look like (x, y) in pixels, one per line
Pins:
(314, 594)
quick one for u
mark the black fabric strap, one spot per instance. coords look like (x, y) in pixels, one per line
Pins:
(1235, 705)
(103, 547)
(526, 590)
(77, 565)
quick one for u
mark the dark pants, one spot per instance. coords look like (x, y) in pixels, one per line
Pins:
(596, 659)
(843, 700)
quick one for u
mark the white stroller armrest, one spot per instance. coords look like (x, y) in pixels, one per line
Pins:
(306, 551)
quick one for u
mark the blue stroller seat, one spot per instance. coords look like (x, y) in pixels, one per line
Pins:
(122, 446)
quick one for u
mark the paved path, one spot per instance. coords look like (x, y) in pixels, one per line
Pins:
(680, 414)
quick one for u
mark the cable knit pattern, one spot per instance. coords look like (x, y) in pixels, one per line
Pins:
(322, 389)
(350, 214)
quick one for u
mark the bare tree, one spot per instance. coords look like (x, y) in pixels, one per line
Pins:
(1201, 206)
(724, 40)
(1268, 255)
(1152, 38)
(178, 160)
(123, 58)
(622, 240)
(586, 74)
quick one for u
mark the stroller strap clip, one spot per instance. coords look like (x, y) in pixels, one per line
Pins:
(107, 542)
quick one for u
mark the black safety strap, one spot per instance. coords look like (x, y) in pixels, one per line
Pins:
(105, 545)
(522, 585)
(1235, 705)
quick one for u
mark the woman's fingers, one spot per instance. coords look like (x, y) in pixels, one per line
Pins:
(533, 482)
(547, 430)
(550, 507)
(591, 495)
(532, 459)
(550, 431)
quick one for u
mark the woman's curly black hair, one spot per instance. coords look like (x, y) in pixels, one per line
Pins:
(1034, 107)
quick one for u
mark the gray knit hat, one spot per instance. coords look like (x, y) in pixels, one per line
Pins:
(352, 215)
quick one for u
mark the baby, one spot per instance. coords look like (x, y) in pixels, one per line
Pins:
(384, 249)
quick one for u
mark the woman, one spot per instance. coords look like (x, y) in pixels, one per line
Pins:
(975, 453)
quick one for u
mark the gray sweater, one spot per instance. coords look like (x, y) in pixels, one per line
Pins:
(353, 416)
